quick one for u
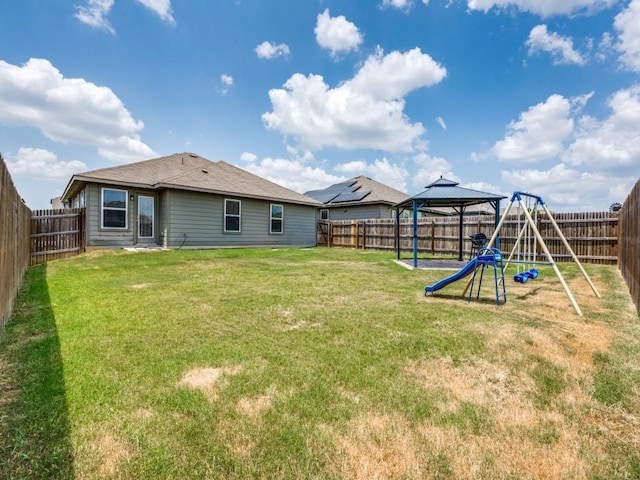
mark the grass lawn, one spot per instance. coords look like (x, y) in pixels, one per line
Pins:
(313, 363)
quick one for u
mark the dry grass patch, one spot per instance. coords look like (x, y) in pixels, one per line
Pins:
(505, 433)
(375, 446)
(208, 380)
(504, 456)
(109, 452)
(255, 406)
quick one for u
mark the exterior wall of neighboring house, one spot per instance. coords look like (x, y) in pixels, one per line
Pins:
(193, 219)
(358, 212)
(197, 219)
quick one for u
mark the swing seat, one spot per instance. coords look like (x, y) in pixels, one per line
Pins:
(521, 277)
(525, 276)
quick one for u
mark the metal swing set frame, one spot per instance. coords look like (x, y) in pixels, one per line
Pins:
(529, 232)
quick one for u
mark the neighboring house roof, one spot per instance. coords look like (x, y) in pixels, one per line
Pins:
(188, 171)
(359, 190)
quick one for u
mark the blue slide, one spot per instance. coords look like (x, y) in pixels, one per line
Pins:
(466, 270)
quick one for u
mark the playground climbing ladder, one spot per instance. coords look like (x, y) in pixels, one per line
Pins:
(489, 257)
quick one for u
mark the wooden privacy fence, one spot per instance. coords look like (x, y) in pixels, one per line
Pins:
(592, 235)
(57, 234)
(629, 255)
(14, 242)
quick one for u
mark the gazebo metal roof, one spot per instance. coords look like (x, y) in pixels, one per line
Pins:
(447, 193)
(444, 193)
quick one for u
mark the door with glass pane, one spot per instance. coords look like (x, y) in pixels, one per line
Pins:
(146, 216)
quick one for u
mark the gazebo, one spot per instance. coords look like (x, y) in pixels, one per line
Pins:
(444, 193)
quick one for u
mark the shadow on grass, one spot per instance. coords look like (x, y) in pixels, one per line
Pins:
(34, 422)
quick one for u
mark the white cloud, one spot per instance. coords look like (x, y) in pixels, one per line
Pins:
(292, 174)
(394, 75)
(541, 131)
(162, 8)
(484, 187)
(337, 34)
(248, 157)
(69, 110)
(401, 4)
(43, 164)
(364, 112)
(440, 121)
(270, 50)
(94, 14)
(226, 81)
(569, 190)
(614, 143)
(627, 24)
(381, 170)
(430, 169)
(544, 8)
(560, 48)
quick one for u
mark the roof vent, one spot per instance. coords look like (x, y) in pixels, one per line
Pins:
(193, 155)
(204, 170)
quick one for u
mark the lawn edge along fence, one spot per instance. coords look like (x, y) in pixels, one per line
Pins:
(30, 237)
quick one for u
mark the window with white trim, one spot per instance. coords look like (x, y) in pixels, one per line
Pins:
(324, 214)
(276, 224)
(232, 215)
(114, 205)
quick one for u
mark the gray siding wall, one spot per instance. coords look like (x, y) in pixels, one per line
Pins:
(99, 237)
(196, 220)
(359, 212)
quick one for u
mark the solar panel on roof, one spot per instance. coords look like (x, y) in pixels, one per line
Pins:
(347, 191)
(324, 197)
(351, 196)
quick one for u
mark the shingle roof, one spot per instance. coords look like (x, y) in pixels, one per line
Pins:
(188, 171)
(357, 191)
(447, 193)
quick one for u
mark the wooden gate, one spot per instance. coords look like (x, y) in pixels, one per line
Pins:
(57, 234)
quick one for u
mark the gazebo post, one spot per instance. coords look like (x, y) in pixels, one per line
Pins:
(460, 227)
(415, 234)
(496, 207)
(397, 233)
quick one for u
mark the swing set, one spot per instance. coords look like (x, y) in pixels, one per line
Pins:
(528, 240)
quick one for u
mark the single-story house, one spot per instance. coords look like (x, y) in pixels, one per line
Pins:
(184, 200)
(359, 198)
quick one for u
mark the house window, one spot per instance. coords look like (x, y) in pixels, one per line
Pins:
(324, 214)
(232, 213)
(114, 208)
(277, 219)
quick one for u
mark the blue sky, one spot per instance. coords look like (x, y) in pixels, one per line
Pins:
(501, 95)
